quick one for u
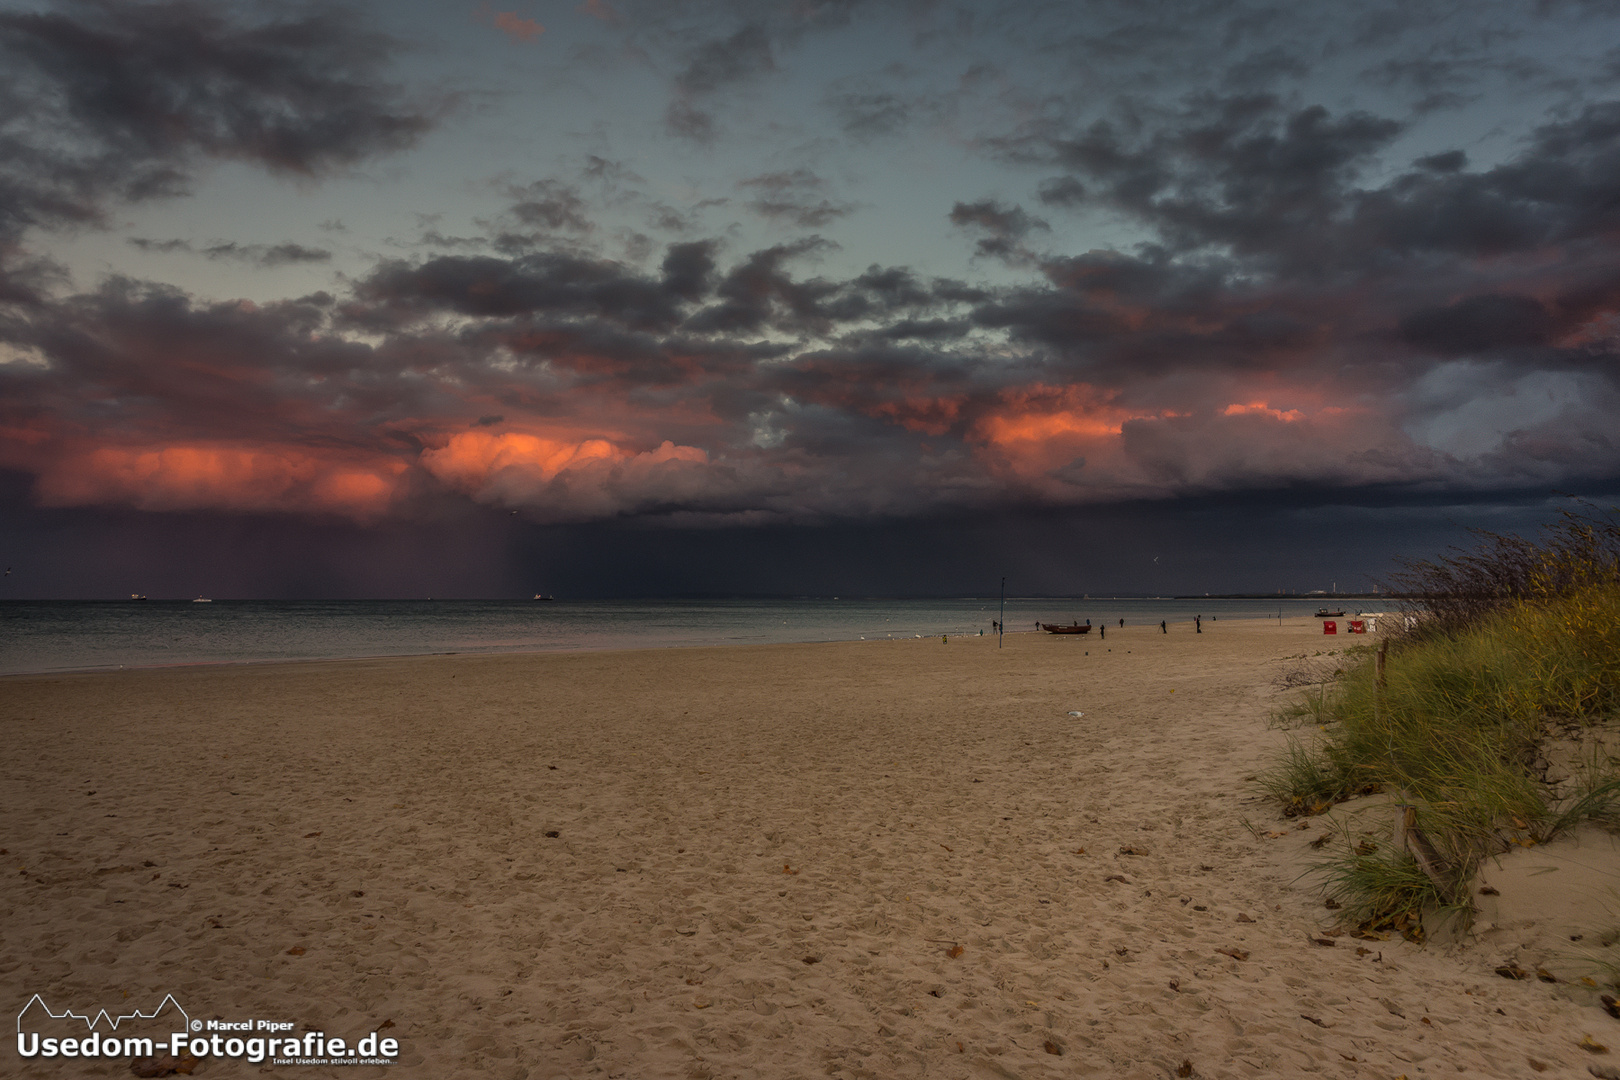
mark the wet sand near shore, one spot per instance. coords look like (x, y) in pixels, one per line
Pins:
(864, 859)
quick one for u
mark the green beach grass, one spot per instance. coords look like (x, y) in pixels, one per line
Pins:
(1497, 718)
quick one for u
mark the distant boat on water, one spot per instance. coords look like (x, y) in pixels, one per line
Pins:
(199, 600)
(1073, 628)
(543, 596)
(137, 596)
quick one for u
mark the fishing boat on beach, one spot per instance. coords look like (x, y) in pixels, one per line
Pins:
(1324, 613)
(1072, 628)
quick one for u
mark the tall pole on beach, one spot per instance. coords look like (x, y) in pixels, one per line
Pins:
(1003, 631)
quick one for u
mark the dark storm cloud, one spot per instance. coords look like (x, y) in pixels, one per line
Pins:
(1479, 324)
(891, 290)
(1316, 300)
(914, 386)
(142, 358)
(688, 269)
(1270, 252)
(1244, 172)
(543, 283)
(1280, 187)
(607, 319)
(145, 394)
(1092, 306)
(753, 389)
(760, 292)
(152, 400)
(1560, 190)
(109, 100)
(1200, 545)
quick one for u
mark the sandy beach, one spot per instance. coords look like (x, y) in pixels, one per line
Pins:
(865, 859)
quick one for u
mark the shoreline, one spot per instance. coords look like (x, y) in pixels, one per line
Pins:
(558, 651)
(719, 861)
(48, 638)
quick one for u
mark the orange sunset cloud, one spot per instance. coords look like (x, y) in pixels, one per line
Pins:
(197, 476)
(1042, 431)
(1042, 413)
(1261, 408)
(512, 468)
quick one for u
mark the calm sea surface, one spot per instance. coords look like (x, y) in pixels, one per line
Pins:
(37, 636)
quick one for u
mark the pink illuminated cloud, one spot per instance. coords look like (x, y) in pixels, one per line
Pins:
(222, 476)
(1261, 408)
(558, 476)
(516, 27)
(1030, 419)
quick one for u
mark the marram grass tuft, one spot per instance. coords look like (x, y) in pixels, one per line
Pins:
(1459, 723)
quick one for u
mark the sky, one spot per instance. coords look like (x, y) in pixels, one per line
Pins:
(882, 296)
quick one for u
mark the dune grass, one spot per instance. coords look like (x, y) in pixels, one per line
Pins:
(1460, 724)
(1581, 549)
(1382, 889)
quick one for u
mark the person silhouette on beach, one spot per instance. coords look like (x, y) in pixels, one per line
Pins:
(1162, 628)
(1198, 624)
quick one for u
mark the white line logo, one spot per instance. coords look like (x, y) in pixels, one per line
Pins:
(44, 1032)
(92, 1022)
(168, 1030)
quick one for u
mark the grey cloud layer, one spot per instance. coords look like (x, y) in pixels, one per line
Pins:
(1300, 310)
(102, 101)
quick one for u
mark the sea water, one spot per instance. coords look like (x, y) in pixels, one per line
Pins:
(52, 635)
